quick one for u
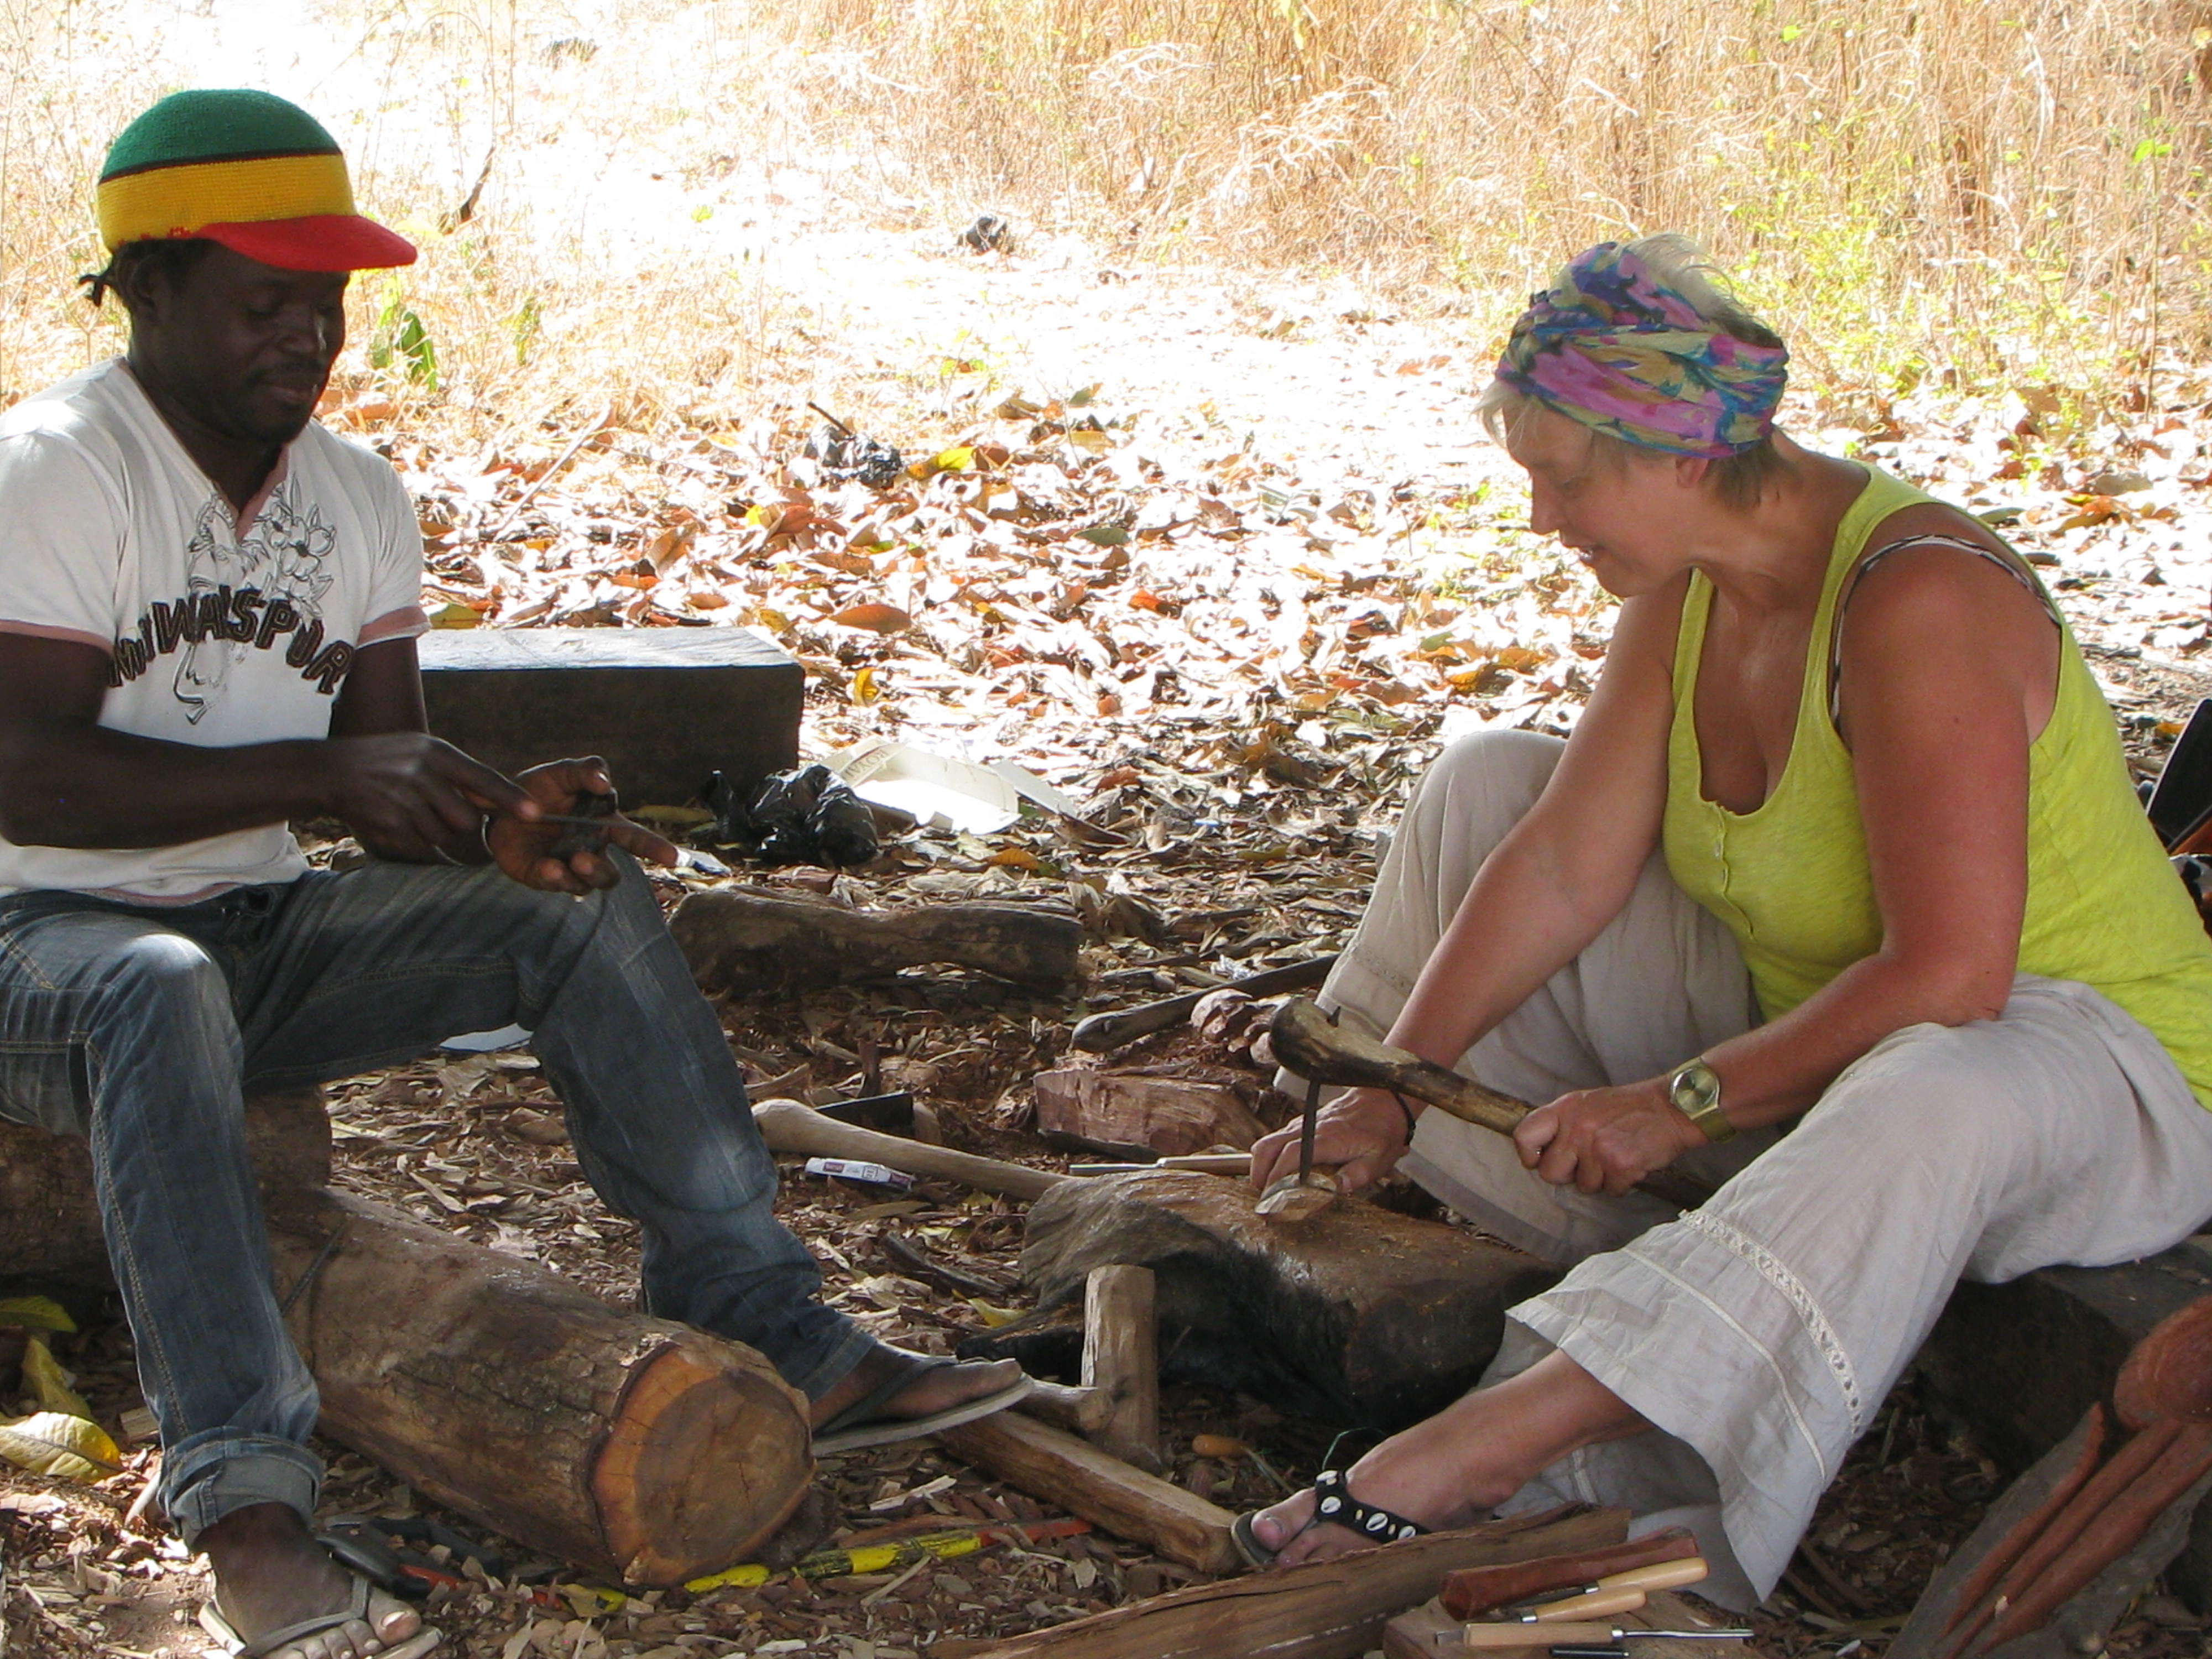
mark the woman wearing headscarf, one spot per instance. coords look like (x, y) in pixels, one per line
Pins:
(1838, 897)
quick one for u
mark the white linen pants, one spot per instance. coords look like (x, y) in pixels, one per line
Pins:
(1760, 1334)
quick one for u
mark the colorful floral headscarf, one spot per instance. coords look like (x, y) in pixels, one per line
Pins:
(1611, 347)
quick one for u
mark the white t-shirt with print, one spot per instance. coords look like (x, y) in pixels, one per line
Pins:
(222, 628)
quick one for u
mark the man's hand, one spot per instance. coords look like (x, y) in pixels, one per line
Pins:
(1363, 1132)
(522, 845)
(1606, 1140)
(409, 796)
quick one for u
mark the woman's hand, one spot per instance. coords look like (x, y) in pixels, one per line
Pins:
(1363, 1132)
(525, 849)
(1606, 1140)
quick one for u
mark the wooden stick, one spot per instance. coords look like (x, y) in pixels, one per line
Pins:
(1332, 1609)
(1305, 1042)
(1047, 1463)
(1110, 1030)
(1121, 1363)
(2009, 1548)
(788, 1125)
(2111, 1535)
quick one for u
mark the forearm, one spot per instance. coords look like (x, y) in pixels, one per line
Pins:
(82, 785)
(1524, 918)
(1774, 1072)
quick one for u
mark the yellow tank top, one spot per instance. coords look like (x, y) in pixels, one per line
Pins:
(1790, 879)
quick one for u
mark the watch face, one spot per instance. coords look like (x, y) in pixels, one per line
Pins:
(1694, 1088)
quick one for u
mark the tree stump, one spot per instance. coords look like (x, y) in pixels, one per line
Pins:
(1355, 1315)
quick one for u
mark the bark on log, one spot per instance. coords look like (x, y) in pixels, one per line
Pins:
(1332, 1609)
(1356, 1316)
(748, 944)
(625, 1444)
(1173, 1115)
(50, 1222)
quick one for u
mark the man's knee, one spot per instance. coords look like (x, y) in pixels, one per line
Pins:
(164, 979)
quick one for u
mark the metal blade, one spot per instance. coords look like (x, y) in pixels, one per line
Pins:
(1306, 1131)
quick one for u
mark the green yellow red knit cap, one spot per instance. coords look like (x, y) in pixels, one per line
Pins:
(245, 169)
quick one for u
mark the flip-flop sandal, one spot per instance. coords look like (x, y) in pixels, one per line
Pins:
(859, 1425)
(1333, 1504)
(216, 1625)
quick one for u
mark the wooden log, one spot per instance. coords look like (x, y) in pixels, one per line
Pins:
(1306, 1044)
(2019, 1364)
(49, 1221)
(1086, 1480)
(749, 943)
(665, 707)
(1172, 1115)
(1122, 1363)
(1357, 1315)
(1332, 1609)
(790, 1126)
(629, 1446)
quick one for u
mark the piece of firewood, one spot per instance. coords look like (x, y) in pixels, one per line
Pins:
(748, 944)
(1332, 1609)
(1086, 1480)
(1308, 1045)
(1172, 1115)
(789, 1126)
(626, 1445)
(1122, 1363)
(50, 1220)
(1358, 1315)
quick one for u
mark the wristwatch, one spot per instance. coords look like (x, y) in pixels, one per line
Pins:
(1695, 1091)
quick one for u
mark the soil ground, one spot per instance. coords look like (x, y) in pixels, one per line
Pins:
(1225, 560)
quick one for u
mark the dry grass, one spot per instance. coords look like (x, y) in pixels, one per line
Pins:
(1990, 192)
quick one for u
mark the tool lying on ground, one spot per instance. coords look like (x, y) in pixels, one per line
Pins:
(1476, 1590)
(382, 1550)
(1110, 1030)
(892, 1553)
(1220, 1164)
(1518, 1635)
(1619, 1592)
(1308, 1043)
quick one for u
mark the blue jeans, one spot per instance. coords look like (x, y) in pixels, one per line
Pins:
(143, 1028)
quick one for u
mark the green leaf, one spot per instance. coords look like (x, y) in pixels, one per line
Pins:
(35, 1313)
(1104, 535)
(56, 1442)
(961, 459)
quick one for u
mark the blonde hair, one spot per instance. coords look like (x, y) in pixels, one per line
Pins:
(1675, 261)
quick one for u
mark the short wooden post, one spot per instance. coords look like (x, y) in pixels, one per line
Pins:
(1121, 1363)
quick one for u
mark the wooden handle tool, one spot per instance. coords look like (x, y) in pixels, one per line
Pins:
(1518, 1635)
(1307, 1042)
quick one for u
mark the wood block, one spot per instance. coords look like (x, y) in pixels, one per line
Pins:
(2020, 1363)
(1358, 1315)
(1170, 1115)
(1046, 1463)
(1332, 1609)
(665, 706)
(1122, 1363)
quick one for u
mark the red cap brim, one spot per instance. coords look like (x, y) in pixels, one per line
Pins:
(319, 241)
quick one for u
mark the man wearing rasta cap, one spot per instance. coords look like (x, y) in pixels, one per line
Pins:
(208, 609)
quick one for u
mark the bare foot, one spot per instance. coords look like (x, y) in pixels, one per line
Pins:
(270, 1572)
(1464, 1461)
(936, 1390)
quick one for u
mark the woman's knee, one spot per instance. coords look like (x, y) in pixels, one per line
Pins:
(1483, 784)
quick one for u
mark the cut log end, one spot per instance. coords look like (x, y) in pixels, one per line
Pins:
(705, 1457)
